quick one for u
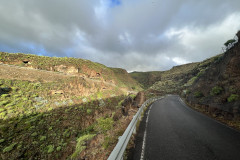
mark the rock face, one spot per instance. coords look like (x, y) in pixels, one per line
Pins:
(219, 87)
(66, 69)
(135, 102)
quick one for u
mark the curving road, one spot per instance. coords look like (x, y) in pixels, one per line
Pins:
(176, 132)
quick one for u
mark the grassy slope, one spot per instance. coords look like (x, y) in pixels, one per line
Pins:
(82, 67)
(175, 80)
(30, 127)
(165, 81)
(44, 114)
(147, 79)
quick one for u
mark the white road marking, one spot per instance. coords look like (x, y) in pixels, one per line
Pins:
(145, 135)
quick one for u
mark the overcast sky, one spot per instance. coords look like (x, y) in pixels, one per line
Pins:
(138, 35)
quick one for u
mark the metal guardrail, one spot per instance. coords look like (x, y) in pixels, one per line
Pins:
(118, 151)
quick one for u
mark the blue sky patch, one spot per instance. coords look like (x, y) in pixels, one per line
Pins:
(115, 3)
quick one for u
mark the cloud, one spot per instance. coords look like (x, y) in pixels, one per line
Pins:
(132, 34)
(201, 43)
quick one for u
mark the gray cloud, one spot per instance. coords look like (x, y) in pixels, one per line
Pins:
(135, 35)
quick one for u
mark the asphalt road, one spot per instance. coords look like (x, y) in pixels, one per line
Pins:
(176, 132)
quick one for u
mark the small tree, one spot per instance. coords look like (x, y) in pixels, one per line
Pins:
(229, 42)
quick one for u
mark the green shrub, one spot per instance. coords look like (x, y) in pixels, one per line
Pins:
(229, 41)
(104, 124)
(5, 95)
(99, 95)
(200, 73)
(81, 144)
(9, 148)
(89, 111)
(34, 134)
(216, 90)
(50, 148)
(2, 109)
(107, 142)
(42, 138)
(2, 140)
(120, 103)
(132, 96)
(4, 103)
(19, 146)
(3, 115)
(198, 94)
(67, 133)
(59, 148)
(233, 97)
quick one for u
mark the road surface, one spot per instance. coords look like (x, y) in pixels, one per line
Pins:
(174, 131)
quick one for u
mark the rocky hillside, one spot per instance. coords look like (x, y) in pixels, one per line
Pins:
(73, 66)
(171, 81)
(217, 90)
(147, 79)
(212, 85)
(62, 108)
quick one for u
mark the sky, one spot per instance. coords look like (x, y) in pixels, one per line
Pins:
(137, 35)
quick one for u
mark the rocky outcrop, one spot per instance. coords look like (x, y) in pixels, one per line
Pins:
(132, 102)
(66, 69)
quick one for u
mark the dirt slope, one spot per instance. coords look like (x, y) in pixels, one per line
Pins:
(29, 74)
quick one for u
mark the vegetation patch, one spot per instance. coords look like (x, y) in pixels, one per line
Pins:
(9, 148)
(81, 144)
(216, 90)
(233, 97)
(198, 94)
(50, 148)
(229, 42)
(104, 124)
(48, 134)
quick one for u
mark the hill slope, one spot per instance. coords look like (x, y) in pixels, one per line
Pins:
(212, 85)
(146, 79)
(73, 66)
(218, 89)
(51, 107)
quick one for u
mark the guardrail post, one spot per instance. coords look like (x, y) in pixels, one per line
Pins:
(135, 130)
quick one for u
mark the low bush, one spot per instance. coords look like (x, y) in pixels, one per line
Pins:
(89, 111)
(198, 94)
(9, 148)
(81, 141)
(233, 97)
(50, 148)
(216, 90)
(229, 42)
(104, 124)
